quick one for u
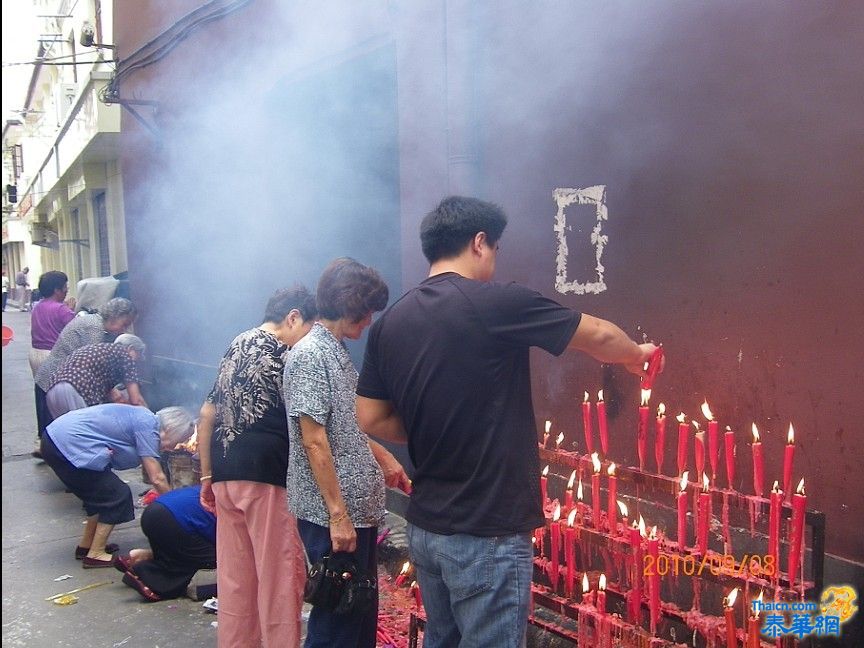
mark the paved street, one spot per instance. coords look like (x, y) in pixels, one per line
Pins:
(41, 527)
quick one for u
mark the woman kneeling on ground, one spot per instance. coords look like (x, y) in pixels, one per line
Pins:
(83, 446)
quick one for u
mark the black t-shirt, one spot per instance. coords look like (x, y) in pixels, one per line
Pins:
(250, 439)
(452, 356)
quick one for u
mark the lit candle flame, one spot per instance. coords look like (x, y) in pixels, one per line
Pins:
(790, 437)
(585, 587)
(556, 514)
(622, 507)
(611, 470)
(572, 481)
(586, 397)
(728, 429)
(595, 460)
(642, 531)
(571, 519)
(705, 481)
(776, 487)
(579, 490)
(757, 610)
(755, 431)
(661, 410)
(653, 534)
(548, 426)
(695, 424)
(684, 476)
(800, 489)
(646, 396)
(559, 439)
(706, 411)
(730, 599)
(602, 584)
(600, 395)
(681, 417)
(405, 567)
(545, 471)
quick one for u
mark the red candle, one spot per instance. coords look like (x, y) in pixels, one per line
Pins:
(601, 423)
(699, 448)
(729, 439)
(774, 526)
(753, 640)
(601, 594)
(543, 480)
(642, 428)
(682, 512)
(586, 423)
(654, 579)
(555, 533)
(580, 504)
(568, 494)
(636, 533)
(799, 506)
(587, 599)
(660, 437)
(559, 440)
(729, 613)
(611, 511)
(595, 491)
(546, 433)
(415, 589)
(788, 459)
(713, 439)
(683, 431)
(758, 464)
(702, 521)
(570, 552)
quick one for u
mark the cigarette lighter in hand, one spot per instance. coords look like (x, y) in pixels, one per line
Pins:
(653, 368)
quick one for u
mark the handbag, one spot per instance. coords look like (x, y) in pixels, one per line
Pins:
(335, 584)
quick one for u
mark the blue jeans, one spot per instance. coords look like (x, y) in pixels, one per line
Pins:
(475, 590)
(326, 629)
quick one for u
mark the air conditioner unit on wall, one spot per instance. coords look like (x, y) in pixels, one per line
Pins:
(45, 236)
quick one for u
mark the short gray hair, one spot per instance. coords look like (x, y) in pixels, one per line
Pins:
(118, 307)
(132, 341)
(177, 424)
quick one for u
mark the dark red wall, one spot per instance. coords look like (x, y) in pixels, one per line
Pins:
(729, 137)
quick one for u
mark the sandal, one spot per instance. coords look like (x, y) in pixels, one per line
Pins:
(81, 552)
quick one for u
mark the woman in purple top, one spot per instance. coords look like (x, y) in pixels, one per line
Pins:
(50, 316)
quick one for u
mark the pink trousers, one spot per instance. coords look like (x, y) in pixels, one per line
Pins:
(261, 567)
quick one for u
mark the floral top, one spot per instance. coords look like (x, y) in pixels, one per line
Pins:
(250, 439)
(320, 381)
(95, 369)
(81, 331)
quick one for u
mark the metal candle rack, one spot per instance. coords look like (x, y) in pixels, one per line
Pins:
(651, 483)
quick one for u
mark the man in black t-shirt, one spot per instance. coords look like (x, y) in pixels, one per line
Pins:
(447, 371)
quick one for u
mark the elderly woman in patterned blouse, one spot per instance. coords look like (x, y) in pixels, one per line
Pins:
(114, 318)
(243, 445)
(336, 474)
(89, 376)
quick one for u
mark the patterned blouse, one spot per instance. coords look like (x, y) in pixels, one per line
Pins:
(81, 331)
(95, 369)
(320, 381)
(250, 439)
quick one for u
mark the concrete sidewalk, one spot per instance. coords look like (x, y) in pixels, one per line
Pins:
(41, 527)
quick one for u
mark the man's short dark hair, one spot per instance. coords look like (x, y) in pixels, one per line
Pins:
(284, 300)
(51, 281)
(451, 226)
(351, 290)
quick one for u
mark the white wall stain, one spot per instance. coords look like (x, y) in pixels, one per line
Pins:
(595, 195)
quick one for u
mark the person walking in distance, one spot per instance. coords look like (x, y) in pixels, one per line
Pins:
(447, 371)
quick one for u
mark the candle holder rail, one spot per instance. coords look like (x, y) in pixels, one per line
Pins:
(720, 497)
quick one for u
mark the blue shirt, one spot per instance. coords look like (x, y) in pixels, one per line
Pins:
(110, 435)
(185, 505)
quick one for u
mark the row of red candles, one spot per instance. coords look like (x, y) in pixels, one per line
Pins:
(713, 445)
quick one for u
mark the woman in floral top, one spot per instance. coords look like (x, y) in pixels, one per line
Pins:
(243, 445)
(336, 474)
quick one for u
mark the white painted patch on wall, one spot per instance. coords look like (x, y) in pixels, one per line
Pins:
(596, 196)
